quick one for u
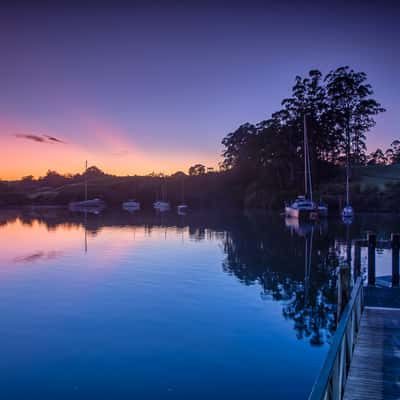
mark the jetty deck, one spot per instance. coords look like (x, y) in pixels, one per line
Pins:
(375, 367)
(363, 361)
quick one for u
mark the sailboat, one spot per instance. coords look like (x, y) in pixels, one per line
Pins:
(92, 205)
(182, 208)
(131, 205)
(162, 205)
(347, 212)
(304, 206)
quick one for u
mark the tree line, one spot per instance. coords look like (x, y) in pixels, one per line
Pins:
(262, 163)
(339, 110)
(389, 157)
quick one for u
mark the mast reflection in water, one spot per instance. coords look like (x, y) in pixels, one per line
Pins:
(165, 305)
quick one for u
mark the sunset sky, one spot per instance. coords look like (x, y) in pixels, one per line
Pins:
(142, 89)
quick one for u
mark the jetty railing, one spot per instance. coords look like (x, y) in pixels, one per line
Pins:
(371, 243)
(333, 375)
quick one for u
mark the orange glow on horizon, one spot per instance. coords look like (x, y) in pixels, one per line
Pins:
(104, 146)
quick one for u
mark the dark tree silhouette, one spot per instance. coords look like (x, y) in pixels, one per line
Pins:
(198, 169)
(392, 154)
(377, 157)
(352, 108)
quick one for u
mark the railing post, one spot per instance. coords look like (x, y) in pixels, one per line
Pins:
(343, 289)
(332, 378)
(357, 259)
(371, 257)
(395, 258)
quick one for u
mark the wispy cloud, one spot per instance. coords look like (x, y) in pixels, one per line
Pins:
(35, 138)
(39, 138)
(53, 139)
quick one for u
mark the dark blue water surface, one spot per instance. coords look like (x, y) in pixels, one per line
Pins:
(146, 306)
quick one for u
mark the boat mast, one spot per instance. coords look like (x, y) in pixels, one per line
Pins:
(86, 167)
(163, 190)
(309, 173)
(183, 190)
(347, 168)
(307, 165)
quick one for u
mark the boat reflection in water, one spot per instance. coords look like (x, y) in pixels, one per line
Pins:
(95, 206)
(239, 287)
(302, 228)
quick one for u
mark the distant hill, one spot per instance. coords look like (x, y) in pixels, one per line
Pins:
(376, 176)
(373, 188)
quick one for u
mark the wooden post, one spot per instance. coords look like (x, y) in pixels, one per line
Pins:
(395, 259)
(343, 289)
(371, 257)
(357, 259)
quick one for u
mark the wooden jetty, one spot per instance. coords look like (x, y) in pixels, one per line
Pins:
(375, 368)
(363, 361)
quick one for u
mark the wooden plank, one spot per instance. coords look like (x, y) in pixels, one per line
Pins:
(375, 367)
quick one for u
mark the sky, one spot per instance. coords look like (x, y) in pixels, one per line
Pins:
(141, 87)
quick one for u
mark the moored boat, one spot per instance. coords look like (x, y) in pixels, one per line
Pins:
(304, 206)
(88, 205)
(322, 210)
(93, 203)
(131, 205)
(347, 212)
(301, 208)
(183, 207)
(161, 205)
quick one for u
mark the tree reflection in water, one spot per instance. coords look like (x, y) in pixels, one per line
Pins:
(294, 266)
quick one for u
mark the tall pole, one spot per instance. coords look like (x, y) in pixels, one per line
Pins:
(183, 190)
(307, 164)
(305, 156)
(309, 173)
(347, 164)
(86, 167)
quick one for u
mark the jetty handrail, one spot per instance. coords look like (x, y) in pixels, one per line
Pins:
(331, 380)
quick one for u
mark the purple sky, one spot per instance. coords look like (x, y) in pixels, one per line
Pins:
(177, 79)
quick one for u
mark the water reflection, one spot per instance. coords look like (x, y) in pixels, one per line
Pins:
(29, 258)
(292, 263)
(296, 266)
(182, 301)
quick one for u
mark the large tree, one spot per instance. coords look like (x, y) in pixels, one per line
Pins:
(198, 169)
(352, 110)
(392, 154)
(339, 111)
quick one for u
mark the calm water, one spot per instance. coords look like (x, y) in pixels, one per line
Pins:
(152, 306)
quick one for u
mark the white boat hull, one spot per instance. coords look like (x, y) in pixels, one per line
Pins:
(303, 214)
(292, 212)
(161, 206)
(348, 212)
(131, 206)
(322, 211)
(94, 206)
